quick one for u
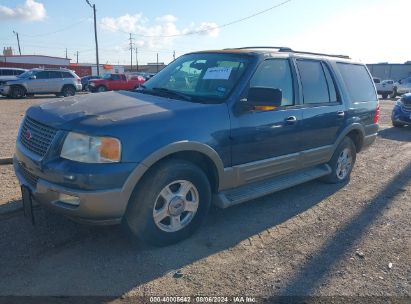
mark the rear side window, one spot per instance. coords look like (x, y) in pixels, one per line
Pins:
(67, 75)
(42, 75)
(314, 82)
(358, 82)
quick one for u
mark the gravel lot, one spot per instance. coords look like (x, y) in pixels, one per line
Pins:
(313, 239)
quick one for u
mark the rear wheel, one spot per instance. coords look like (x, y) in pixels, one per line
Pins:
(68, 91)
(342, 162)
(17, 92)
(169, 204)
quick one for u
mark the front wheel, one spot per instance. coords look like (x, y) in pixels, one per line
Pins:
(169, 204)
(397, 124)
(101, 89)
(342, 162)
(17, 92)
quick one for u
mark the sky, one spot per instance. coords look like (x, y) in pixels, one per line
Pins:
(370, 31)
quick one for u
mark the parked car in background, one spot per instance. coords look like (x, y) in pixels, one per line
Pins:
(7, 74)
(384, 87)
(62, 82)
(223, 126)
(86, 79)
(401, 87)
(115, 82)
(401, 114)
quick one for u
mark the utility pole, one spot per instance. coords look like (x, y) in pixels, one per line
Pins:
(95, 34)
(137, 59)
(77, 57)
(66, 53)
(18, 41)
(131, 53)
(157, 62)
(174, 55)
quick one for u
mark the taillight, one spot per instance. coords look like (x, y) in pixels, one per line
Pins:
(377, 114)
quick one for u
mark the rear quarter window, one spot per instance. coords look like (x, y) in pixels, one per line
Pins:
(358, 82)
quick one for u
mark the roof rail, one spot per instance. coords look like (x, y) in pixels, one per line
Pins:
(279, 48)
(318, 54)
(289, 50)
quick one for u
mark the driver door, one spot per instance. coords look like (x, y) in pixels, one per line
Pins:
(266, 141)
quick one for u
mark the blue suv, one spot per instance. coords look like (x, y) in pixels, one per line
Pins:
(220, 127)
(401, 114)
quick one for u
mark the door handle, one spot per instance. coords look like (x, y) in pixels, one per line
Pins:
(340, 114)
(291, 119)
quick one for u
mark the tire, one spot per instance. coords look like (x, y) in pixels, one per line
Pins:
(17, 92)
(68, 91)
(338, 174)
(397, 125)
(101, 89)
(394, 93)
(384, 95)
(178, 215)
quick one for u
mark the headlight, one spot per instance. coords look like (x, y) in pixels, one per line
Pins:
(91, 84)
(90, 149)
(398, 103)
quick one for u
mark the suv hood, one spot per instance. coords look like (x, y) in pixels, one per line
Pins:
(109, 108)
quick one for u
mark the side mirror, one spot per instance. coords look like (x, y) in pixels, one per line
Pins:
(264, 97)
(33, 77)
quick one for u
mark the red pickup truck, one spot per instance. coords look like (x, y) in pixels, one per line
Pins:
(115, 82)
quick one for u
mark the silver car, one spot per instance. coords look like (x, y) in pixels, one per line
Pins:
(62, 82)
(7, 74)
(401, 87)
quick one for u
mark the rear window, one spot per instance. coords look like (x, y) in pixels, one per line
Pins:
(359, 84)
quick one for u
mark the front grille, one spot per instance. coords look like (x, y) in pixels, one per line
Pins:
(31, 178)
(36, 137)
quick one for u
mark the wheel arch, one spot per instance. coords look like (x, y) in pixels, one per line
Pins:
(356, 133)
(198, 153)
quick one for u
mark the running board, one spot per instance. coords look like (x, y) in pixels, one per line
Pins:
(252, 191)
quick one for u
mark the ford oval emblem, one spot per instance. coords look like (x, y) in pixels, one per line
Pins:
(27, 134)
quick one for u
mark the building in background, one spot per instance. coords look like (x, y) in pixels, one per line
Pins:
(40, 61)
(148, 68)
(390, 70)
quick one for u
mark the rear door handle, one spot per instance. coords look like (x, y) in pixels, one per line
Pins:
(291, 119)
(341, 114)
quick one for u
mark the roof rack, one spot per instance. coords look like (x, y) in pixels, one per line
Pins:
(289, 50)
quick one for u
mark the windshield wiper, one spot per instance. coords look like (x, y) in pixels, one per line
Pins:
(173, 93)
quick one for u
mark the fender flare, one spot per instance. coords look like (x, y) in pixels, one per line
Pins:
(163, 152)
(353, 127)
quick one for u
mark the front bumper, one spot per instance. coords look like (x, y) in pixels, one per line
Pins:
(4, 90)
(401, 115)
(93, 206)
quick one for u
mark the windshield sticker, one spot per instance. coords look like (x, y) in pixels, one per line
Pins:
(218, 73)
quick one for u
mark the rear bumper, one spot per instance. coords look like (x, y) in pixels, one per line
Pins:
(369, 140)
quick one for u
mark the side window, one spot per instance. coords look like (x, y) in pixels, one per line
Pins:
(42, 75)
(115, 77)
(67, 75)
(54, 74)
(332, 92)
(275, 74)
(18, 72)
(358, 82)
(314, 83)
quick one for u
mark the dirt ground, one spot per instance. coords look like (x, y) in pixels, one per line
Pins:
(311, 240)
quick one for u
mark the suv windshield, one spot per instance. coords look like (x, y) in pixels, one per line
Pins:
(200, 77)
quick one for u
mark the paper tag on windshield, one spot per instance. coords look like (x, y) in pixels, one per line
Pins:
(217, 73)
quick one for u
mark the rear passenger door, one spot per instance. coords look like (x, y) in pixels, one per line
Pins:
(55, 82)
(322, 110)
(39, 84)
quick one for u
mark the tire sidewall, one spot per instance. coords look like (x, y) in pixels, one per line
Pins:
(101, 89)
(139, 214)
(346, 143)
(68, 91)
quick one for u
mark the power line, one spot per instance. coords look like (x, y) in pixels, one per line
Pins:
(213, 27)
(57, 31)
